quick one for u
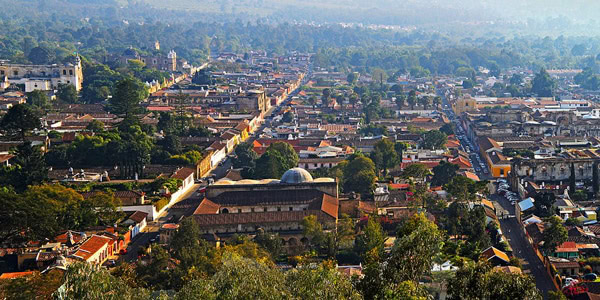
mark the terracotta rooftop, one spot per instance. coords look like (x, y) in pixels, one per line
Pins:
(5, 157)
(138, 216)
(91, 246)
(493, 252)
(183, 173)
(471, 175)
(567, 247)
(207, 207)
(14, 275)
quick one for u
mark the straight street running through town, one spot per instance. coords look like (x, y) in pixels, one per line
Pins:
(151, 231)
(521, 247)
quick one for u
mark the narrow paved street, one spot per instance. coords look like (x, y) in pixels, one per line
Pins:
(521, 247)
(151, 230)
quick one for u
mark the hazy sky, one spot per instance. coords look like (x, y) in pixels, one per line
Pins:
(393, 12)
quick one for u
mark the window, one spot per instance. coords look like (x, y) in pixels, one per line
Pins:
(501, 172)
(239, 210)
(264, 209)
(225, 211)
(64, 72)
(252, 209)
(291, 208)
(16, 73)
(2, 72)
(71, 72)
(279, 209)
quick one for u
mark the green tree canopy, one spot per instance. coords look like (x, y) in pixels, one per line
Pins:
(319, 282)
(480, 281)
(417, 171)
(384, 155)
(359, 175)
(95, 126)
(40, 56)
(370, 242)
(443, 173)
(278, 158)
(245, 158)
(67, 93)
(419, 241)
(128, 95)
(269, 165)
(19, 121)
(29, 168)
(87, 282)
(543, 85)
(434, 139)
(38, 98)
(554, 235)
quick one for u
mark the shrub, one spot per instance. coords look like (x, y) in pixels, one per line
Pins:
(160, 203)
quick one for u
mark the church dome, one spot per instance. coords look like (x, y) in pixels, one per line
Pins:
(296, 175)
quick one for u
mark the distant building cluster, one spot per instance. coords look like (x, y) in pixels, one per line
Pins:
(41, 77)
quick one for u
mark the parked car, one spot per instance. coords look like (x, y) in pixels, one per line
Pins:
(110, 263)
(569, 281)
(590, 277)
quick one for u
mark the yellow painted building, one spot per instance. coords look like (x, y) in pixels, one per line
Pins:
(465, 104)
(498, 164)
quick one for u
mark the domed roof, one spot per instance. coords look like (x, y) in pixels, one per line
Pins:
(296, 175)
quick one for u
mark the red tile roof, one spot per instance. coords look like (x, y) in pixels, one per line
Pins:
(462, 162)
(14, 275)
(138, 216)
(183, 173)
(330, 205)
(5, 157)
(428, 164)
(62, 238)
(452, 144)
(207, 207)
(160, 108)
(567, 247)
(91, 246)
(493, 252)
(399, 186)
(471, 175)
